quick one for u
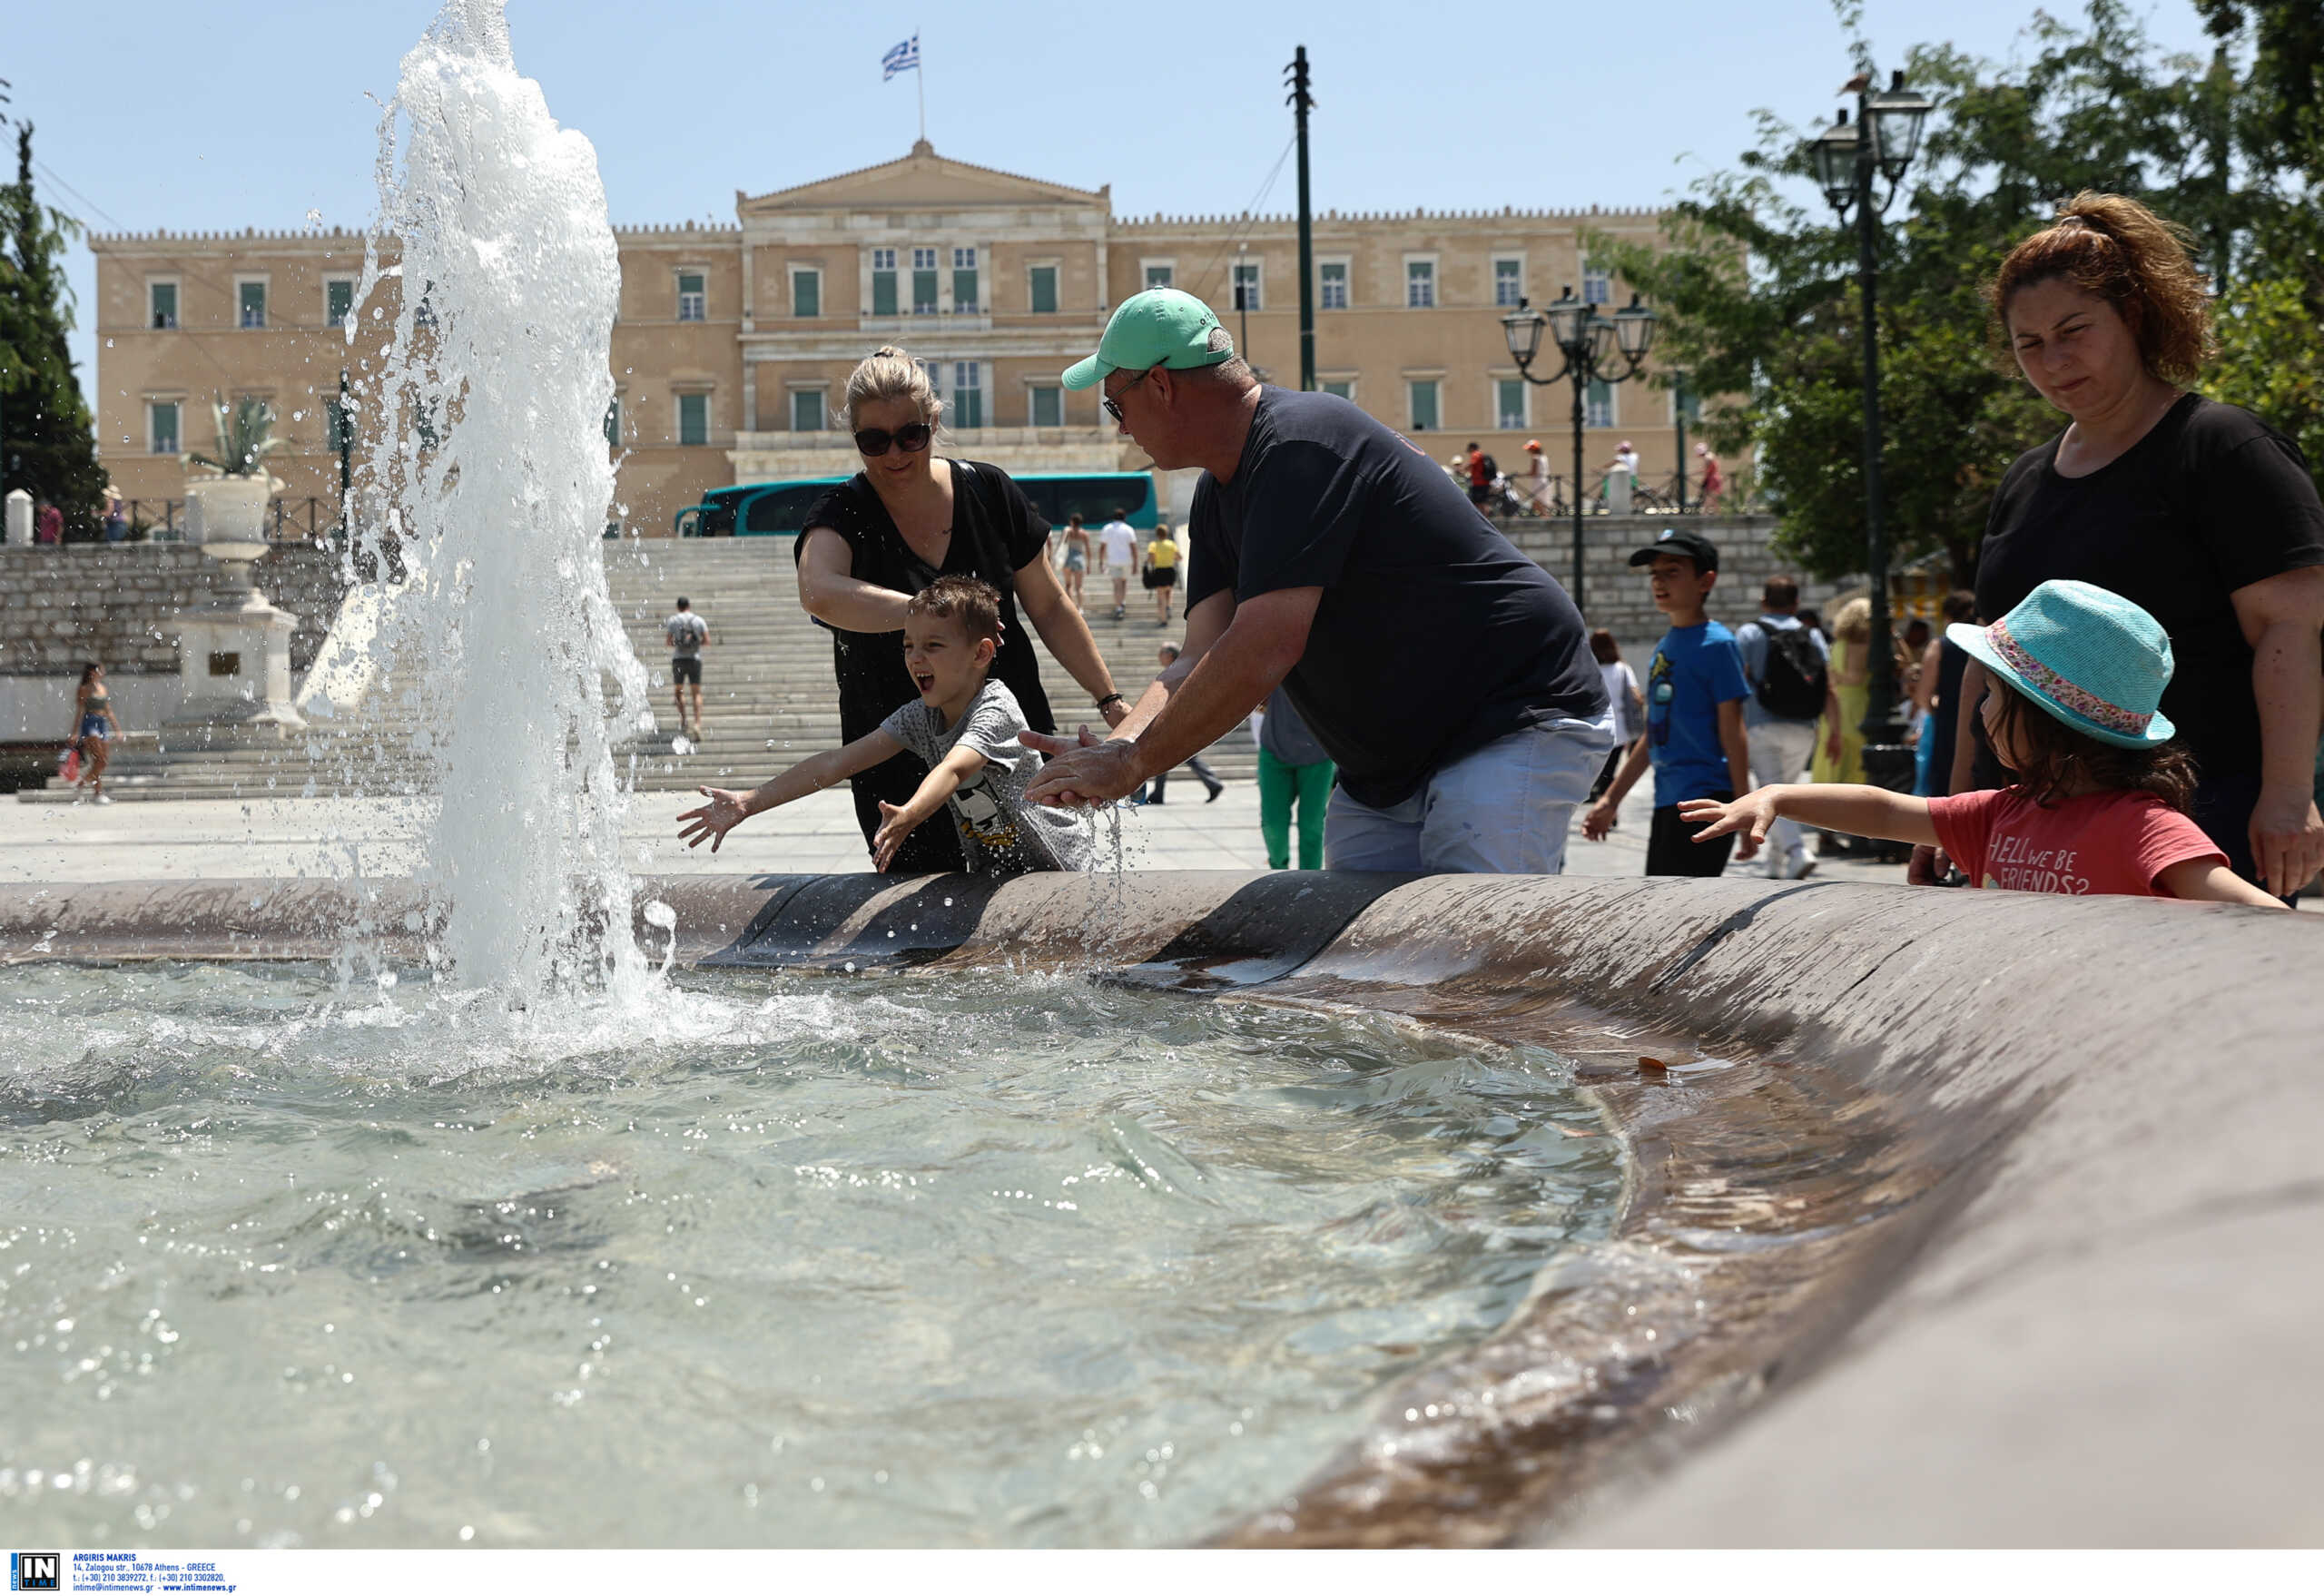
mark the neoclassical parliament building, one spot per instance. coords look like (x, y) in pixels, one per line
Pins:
(733, 342)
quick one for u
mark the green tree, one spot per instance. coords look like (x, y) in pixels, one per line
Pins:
(1760, 299)
(47, 446)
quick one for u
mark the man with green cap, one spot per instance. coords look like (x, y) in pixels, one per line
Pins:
(1449, 677)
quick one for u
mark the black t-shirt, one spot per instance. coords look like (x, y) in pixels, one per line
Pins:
(2211, 499)
(996, 531)
(1435, 635)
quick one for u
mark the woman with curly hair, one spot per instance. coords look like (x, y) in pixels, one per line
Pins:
(2198, 512)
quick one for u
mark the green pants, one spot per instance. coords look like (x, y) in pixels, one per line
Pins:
(1279, 785)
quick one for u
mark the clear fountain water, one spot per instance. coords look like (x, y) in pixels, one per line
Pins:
(501, 352)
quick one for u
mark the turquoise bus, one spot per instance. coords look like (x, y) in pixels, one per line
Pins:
(765, 509)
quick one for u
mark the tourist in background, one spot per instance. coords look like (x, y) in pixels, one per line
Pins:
(1937, 690)
(48, 524)
(1076, 557)
(1162, 570)
(2196, 511)
(1629, 708)
(1154, 790)
(686, 631)
(1294, 774)
(1839, 755)
(1790, 670)
(117, 525)
(1714, 482)
(95, 725)
(1481, 469)
(891, 530)
(1117, 558)
(1536, 479)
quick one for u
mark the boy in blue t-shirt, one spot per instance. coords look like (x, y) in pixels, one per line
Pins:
(1695, 693)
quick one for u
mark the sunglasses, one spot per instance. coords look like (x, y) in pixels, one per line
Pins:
(874, 441)
(1114, 410)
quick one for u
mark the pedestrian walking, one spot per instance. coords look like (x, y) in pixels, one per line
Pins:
(1695, 694)
(1152, 793)
(1448, 676)
(1938, 692)
(1481, 469)
(1162, 570)
(1294, 774)
(1629, 707)
(1790, 670)
(1714, 480)
(1839, 753)
(117, 525)
(686, 631)
(1118, 556)
(95, 725)
(48, 524)
(1076, 557)
(1537, 479)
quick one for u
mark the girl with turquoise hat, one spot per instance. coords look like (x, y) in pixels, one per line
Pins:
(2099, 802)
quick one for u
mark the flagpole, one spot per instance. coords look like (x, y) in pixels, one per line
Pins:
(920, 83)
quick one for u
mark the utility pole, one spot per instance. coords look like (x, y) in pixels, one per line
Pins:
(1301, 103)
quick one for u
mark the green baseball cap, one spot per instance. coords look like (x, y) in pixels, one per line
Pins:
(1161, 327)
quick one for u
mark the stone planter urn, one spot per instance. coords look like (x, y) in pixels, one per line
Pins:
(234, 651)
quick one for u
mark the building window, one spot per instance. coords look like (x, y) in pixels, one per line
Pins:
(806, 292)
(1420, 285)
(964, 281)
(161, 426)
(694, 420)
(1508, 403)
(338, 301)
(968, 394)
(162, 297)
(1161, 274)
(1424, 397)
(1508, 283)
(923, 283)
(1331, 281)
(1044, 291)
(806, 409)
(1599, 410)
(1048, 407)
(612, 421)
(1246, 285)
(250, 299)
(1597, 286)
(1346, 391)
(883, 283)
(693, 300)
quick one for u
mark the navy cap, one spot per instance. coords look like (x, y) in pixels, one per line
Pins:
(1691, 545)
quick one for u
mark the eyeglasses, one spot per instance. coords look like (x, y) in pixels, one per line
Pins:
(874, 441)
(1115, 410)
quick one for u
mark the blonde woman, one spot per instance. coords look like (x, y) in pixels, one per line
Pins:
(1839, 752)
(908, 517)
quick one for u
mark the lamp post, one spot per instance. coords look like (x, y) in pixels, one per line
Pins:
(1886, 133)
(1601, 348)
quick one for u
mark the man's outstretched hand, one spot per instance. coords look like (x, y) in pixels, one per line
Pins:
(1085, 771)
(713, 819)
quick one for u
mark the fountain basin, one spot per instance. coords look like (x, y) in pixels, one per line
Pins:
(1956, 1218)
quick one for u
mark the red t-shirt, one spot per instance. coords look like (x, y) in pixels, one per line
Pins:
(1477, 468)
(2099, 842)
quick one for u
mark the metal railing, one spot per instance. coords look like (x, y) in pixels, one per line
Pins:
(288, 520)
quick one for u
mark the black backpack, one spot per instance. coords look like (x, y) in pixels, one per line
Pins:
(1492, 468)
(1793, 686)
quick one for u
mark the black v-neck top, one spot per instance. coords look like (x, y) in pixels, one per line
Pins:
(2210, 500)
(996, 533)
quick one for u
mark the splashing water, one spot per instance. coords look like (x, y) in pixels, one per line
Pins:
(492, 484)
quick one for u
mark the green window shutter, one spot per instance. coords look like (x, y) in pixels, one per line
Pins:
(883, 294)
(806, 293)
(806, 410)
(1513, 403)
(967, 407)
(251, 298)
(612, 423)
(165, 428)
(1346, 391)
(338, 301)
(1425, 407)
(964, 291)
(1044, 291)
(165, 305)
(694, 420)
(924, 293)
(1048, 407)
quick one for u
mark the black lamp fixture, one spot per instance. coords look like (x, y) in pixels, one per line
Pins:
(1597, 348)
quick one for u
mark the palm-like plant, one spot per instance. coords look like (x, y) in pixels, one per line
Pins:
(245, 438)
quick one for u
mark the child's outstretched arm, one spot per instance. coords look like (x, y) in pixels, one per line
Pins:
(1861, 811)
(728, 808)
(2208, 881)
(895, 824)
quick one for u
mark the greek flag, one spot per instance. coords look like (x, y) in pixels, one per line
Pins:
(904, 57)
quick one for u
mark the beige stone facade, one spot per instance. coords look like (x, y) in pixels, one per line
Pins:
(733, 342)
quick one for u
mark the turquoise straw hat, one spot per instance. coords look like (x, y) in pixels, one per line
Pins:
(2091, 658)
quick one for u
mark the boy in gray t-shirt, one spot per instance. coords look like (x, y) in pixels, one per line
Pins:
(965, 725)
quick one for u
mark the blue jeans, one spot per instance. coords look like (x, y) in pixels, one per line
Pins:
(1503, 809)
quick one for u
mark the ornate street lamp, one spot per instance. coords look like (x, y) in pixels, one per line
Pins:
(1601, 348)
(1883, 139)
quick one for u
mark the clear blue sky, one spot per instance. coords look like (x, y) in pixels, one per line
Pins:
(158, 115)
